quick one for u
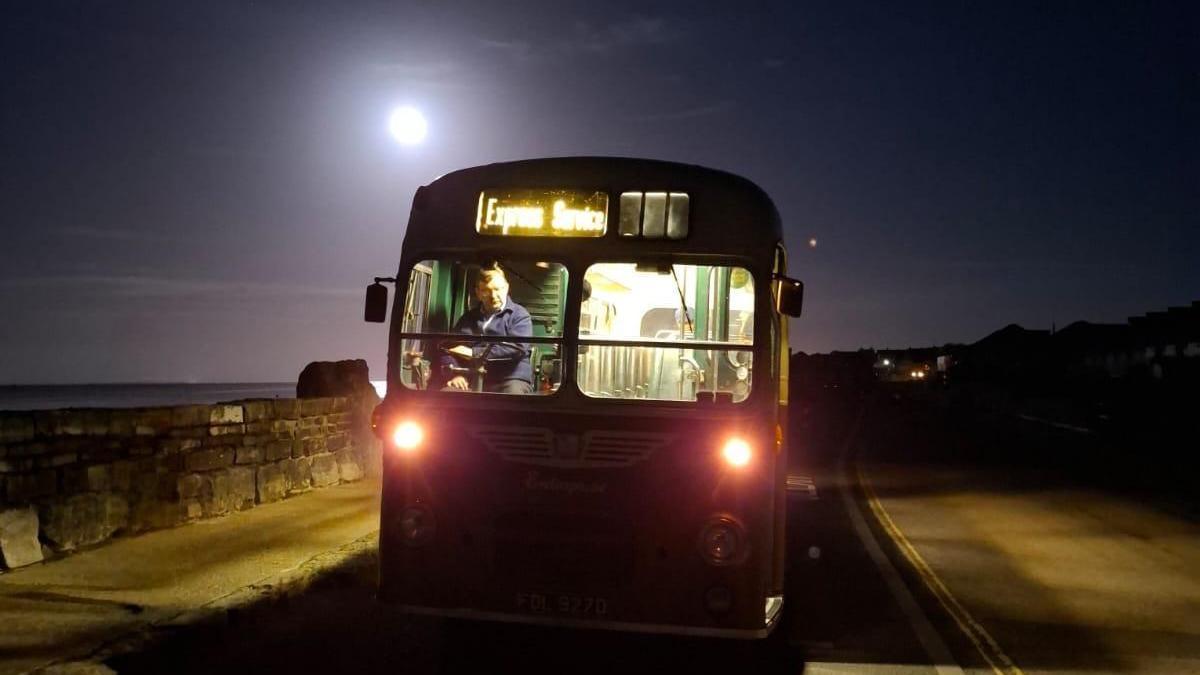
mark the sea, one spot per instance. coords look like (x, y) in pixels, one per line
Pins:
(50, 396)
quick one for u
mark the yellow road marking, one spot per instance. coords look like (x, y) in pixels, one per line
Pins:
(987, 646)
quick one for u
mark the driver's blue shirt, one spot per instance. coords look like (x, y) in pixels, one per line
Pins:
(504, 362)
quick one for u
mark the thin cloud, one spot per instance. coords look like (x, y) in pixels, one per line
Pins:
(586, 37)
(516, 48)
(225, 152)
(161, 287)
(85, 232)
(410, 69)
(718, 108)
(638, 31)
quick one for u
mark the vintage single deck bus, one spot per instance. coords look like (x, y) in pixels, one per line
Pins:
(637, 481)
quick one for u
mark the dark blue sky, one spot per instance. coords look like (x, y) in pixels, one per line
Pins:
(200, 191)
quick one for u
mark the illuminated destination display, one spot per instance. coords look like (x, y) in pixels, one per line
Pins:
(542, 213)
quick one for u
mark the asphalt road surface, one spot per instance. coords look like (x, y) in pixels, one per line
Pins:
(912, 549)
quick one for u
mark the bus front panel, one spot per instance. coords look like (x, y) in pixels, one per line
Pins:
(646, 525)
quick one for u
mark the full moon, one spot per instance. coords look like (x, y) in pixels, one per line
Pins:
(407, 125)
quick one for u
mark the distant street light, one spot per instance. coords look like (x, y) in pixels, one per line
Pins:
(812, 243)
(407, 125)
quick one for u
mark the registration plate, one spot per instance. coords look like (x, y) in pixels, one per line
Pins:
(562, 604)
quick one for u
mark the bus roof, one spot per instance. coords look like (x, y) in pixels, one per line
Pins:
(728, 214)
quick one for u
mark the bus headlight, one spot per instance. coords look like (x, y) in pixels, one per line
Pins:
(736, 452)
(723, 542)
(408, 436)
(416, 525)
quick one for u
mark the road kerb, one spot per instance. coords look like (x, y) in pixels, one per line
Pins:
(352, 558)
(985, 644)
(935, 648)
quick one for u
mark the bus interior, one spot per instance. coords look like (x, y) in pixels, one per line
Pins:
(636, 321)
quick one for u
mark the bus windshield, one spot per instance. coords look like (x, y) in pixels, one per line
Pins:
(506, 311)
(666, 332)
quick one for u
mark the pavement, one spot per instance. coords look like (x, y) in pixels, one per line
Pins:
(117, 597)
(1026, 571)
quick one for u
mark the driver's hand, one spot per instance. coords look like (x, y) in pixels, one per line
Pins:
(458, 382)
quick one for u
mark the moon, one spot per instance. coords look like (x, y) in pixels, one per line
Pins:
(407, 125)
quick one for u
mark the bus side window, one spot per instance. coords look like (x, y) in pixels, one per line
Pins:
(415, 363)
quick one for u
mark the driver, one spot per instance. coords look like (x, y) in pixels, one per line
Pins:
(508, 367)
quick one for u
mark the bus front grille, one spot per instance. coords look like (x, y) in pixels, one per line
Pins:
(594, 449)
(573, 549)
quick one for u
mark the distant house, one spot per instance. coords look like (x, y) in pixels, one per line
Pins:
(1084, 349)
(1157, 345)
(836, 369)
(1165, 345)
(1011, 353)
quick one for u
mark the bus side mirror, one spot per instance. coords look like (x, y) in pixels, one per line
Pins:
(790, 296)
(375, 310)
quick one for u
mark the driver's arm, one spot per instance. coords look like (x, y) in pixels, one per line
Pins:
(464, 326)
(519, 325)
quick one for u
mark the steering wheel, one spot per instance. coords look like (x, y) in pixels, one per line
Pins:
(447, 346)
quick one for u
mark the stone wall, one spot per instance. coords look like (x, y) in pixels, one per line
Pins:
(75, 478)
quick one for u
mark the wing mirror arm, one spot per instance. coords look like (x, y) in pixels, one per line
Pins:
(375, 309)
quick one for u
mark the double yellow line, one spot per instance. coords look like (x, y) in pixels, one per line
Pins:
(987, 646)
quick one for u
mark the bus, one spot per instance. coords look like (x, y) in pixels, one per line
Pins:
(636, 479)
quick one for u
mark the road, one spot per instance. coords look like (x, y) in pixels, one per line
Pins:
(912, 549)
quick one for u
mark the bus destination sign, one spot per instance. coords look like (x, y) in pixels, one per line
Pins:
(542, 213)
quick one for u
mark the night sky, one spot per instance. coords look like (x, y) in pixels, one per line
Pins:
(201, 191)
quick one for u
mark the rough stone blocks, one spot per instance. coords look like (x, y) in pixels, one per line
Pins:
(99, 478)
(122, 475)
(83, 519)
(91, 473)
(315, 406)
(192, 485)
(226, 414)
(226, 429)
(277, 450)
(19, 544)
(336, 442)
(23, 488)
(254, 411)
(298, 472)
(16, 464)
(216, 492)
(286, 408)
(242, 487)
(152, 421)
(272, 484)
(314, 446)
(324, 470)
(190, 415)
(15, 428)
(250, 454)
(206, 460)
(348, 467)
